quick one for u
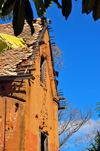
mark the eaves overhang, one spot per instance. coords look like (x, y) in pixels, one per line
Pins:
(16, 77)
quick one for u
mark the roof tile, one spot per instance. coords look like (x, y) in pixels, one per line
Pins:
(9, 59)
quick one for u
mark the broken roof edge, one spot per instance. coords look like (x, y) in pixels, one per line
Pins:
(16, 77)
(30, 54)
(38, 40)
(5, 24)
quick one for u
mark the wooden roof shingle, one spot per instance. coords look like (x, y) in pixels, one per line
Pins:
(10, 58)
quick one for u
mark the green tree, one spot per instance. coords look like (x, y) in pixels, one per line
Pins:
(96, 145)
(98, 108)
(21, 10)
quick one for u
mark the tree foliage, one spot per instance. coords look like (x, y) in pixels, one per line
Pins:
(21, 10)
(70, 121)
(96, 145)
(98, 108)
(57, 57)
(7, 41)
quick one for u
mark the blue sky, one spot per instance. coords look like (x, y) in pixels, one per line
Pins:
(79, 40)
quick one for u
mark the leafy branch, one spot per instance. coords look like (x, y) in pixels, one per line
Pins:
(21, 10)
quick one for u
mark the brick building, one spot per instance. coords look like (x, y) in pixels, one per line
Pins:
(28, 94)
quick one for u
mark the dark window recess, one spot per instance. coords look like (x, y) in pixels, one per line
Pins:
(3, 87)
(44, 142)
(16, 107)
(42, 68)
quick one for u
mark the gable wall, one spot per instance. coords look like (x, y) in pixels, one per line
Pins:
(42, 109)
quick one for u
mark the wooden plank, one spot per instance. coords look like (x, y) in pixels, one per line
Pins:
(23, 69)
(27, 65)
(49, 27)
(17, 77)
(31, 69)
(51, 36)
(61, 98)
(62, 108)
(52, 39)
(56, 73)
(53, 43)
(60, 94)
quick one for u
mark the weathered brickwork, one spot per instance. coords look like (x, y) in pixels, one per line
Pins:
(29, 107)
(31, 141)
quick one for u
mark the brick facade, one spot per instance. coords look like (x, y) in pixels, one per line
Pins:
(29, 108)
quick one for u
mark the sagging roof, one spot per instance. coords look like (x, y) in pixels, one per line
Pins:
(11, 57)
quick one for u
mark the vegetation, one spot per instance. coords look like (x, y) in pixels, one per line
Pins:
(7, 41)
(21, 10)
(57, 57)
(98, 108)
(96, 145)
(70, 121)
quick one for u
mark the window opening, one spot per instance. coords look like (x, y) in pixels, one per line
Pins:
(44, 142)
(42, 68)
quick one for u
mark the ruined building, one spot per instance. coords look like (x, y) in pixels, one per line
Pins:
(28, 94)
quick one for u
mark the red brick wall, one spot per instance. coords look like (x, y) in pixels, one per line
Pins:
(37, 109)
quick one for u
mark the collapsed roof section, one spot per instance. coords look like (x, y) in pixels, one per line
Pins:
(26, 33)
(11, 57)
